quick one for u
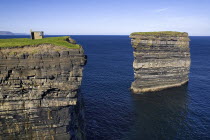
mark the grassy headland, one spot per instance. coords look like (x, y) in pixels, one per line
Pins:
(18, 42)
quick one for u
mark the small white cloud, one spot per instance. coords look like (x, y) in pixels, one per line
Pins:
(161, 10)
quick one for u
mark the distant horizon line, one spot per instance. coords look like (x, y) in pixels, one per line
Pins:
(84, 35)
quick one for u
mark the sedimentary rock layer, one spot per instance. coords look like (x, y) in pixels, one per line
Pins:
(161, 60)
(39, 92)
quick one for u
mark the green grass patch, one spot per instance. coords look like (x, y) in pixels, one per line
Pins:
(57, 41)
(163, 33)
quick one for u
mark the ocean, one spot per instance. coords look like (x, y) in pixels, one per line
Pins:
(112, 112)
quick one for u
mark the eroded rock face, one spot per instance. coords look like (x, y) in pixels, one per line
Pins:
(39, 92)
(160, 62)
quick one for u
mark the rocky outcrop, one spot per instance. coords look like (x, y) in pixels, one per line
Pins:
(39, 92)
(161, 60)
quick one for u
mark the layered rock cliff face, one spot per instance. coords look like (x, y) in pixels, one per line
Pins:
(161, 60)
(39, 92)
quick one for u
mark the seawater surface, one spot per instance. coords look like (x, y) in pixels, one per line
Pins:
(112, 112)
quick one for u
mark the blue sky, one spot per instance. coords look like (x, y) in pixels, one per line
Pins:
(105, 17)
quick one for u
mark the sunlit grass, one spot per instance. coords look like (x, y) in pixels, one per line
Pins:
(18, 42)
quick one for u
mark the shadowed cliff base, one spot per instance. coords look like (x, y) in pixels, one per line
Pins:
(156, 88)
(160, 114)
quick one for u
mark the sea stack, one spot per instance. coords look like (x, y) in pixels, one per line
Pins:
(39, 84)
(161, 60)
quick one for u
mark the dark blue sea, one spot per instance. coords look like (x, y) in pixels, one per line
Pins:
(112, 112)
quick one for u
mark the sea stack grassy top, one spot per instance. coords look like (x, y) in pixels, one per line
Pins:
(162, 33)
(57, 41)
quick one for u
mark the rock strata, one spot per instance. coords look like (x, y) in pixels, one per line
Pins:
(39, 92)
(161, 60)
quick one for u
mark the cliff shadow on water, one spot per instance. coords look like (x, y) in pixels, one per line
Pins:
(111, 110)
(160, 115)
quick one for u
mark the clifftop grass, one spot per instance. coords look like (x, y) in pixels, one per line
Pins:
(162, 33)
(18, 42)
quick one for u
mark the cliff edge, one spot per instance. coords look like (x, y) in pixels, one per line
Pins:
(39, 84)
(161, 60)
